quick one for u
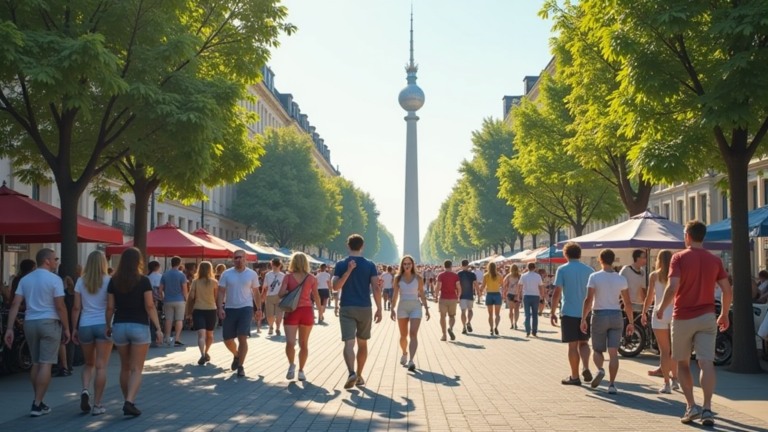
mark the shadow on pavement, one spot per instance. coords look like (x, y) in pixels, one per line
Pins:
(436, 378)
(468, 345)
(363, 398)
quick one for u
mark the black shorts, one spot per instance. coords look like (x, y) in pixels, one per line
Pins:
(571, 329)
(204, 319)
(324, 294)
(237, 322)
(511, 297)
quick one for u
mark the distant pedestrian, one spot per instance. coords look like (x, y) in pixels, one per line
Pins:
(302, 319)
(512, 294)
(45, 324)
(174, 289)
(131, 304)
(532, 287)
(571, 280)
(606, 290)
(692, 277)
(240, 286)
(448, 289)
(492, 286)
(324, 290)
(201, 308)
(90, 311)
(356, 276)
(408, 297)
(469, 288)
(386, 286)
(272, 282)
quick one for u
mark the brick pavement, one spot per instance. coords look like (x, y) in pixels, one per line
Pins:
(477, 383)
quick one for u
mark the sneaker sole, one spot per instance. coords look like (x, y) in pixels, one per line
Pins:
(708, 422)
(412, 368)
(452, 334)
(84, 405)
(350, 382)
(35, 414)
(598, 379)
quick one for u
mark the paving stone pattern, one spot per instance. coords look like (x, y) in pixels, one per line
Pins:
(476, 383)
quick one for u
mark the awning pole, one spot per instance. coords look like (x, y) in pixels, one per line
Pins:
(2, 259)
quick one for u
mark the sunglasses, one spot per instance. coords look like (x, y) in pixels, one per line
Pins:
(238, 258)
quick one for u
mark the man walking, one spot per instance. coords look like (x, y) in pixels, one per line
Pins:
(448, 287)
(356, 277)
(239, 285)
(468, 283)
(532, 287)
(605, 291)
(173, 290)
(45, 325)
(571, 285)
(693, 274)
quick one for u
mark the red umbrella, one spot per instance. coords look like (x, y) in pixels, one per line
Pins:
(168, 240)
(205, 235)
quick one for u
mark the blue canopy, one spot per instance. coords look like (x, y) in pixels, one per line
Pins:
(757, 226)
(263, 253)
(550, 253)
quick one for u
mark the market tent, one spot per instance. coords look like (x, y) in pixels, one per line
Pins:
(205, 235)
(531, 256)
(551, 255)
(265, 253)
(646, 231)
(168, 240)
(757, 226)
(520, 255)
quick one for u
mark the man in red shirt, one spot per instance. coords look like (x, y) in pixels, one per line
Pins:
(448, 292)
(693, 274)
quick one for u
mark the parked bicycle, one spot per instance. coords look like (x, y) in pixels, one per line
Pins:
(16, 358)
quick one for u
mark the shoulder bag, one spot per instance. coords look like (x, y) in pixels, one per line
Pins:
(290, 302)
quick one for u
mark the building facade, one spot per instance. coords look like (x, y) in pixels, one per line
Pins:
(274, 110)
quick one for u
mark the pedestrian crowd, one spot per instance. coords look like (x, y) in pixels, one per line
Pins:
(594, 307)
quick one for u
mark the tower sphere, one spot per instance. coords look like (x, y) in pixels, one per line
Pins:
(411, 98)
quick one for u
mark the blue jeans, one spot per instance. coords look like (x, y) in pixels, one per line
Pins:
(531, 308)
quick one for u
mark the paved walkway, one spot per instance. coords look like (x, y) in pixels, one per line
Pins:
(477, 383)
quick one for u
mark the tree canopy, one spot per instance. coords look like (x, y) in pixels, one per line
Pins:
(353, 217)
(388, 252)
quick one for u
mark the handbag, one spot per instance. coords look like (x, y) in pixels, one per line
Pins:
(290, 302)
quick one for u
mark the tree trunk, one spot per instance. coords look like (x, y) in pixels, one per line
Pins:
(69, 195)
(142, 195)
(744, 353)
(534, 236)
(578, 229)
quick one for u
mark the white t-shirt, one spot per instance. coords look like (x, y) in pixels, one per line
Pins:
(273, 281)
(531, 282)
(154, 279)
(608, 287)
(386, 280)
(238, 287)
(39, 289)
(94, 305)
(479, 275)
(635, 282)
(322, 279)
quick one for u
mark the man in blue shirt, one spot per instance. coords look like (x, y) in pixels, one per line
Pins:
(356, 277)
(173, 291)
(571, 283)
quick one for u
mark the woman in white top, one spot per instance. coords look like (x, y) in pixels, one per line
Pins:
(661, 327)
(90, 307)
(407, 299)
(273, 280)
(512, 295)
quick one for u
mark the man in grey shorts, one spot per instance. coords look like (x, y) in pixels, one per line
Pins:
(45, 324)
(605, 290)
(356, 277)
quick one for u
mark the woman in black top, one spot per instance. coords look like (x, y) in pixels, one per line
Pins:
(129, 299)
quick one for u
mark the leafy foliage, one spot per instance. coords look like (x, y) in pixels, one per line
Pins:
(388, 251)
(353, 216)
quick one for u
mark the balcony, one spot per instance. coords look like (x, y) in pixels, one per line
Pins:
(125, 227)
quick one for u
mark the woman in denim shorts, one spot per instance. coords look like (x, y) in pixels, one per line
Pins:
(89, 310)
(130, 301)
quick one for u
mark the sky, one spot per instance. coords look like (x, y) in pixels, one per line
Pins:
(345, 69)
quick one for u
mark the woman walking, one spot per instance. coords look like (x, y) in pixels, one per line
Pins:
(89, 310)
(408, 288)
(201, 308)
(511, 293)
(661, 327)
(492, 286)
(273, 281)
(302, 319)
(130, 301)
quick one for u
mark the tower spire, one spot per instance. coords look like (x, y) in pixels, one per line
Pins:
(411, 64)
(411, 68)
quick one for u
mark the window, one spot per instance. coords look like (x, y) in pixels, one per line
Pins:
(172, 219)
(666, 210)
(133, 214)
(724, 203)
(115, 215)
(754, 197)
(159, 221)
(679, 215)
(95, 210)
(182, 223)
(189, 225)
(36, 192)
(765, 191)
(692, 208)
(704, 210)
(656, 209)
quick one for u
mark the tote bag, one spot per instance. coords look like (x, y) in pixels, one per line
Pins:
(290, 302)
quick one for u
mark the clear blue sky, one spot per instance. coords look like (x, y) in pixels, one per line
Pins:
(344, 68)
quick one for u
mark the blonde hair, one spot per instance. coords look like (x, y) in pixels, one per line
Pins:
(514, 271)
(220, 268)
(662, 265)
(400, 268)
(298, 263)
(95, 270)
(491, 268)
(205, 271)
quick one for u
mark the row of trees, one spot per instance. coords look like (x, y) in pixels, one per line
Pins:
(644, 93)
(293, 204)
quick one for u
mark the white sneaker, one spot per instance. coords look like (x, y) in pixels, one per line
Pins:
(665, 389)
(612, 389)
(302, 377)
(291, 372)
(411, 366)
(404, 360)
(97, 410)
(675, 384)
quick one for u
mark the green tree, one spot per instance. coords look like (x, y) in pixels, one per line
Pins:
(371, 234)
(489, 215)
(542, 175)
(280, 198)
(353, 217)
(695, 74)
(83, 82)
(388, 252)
